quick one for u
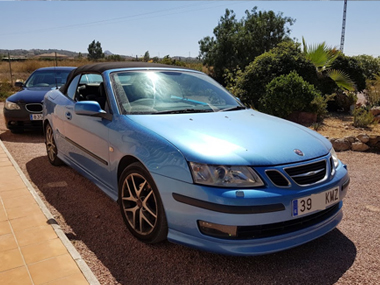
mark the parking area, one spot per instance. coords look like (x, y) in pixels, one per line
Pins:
(93, 224)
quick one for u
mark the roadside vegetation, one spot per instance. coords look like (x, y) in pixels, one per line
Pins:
(256, 59)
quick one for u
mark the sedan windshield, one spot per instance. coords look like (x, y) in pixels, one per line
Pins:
(170, 92)
(47, 78)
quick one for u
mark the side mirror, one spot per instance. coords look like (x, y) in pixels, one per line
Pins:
(19, 84)
(89, 108)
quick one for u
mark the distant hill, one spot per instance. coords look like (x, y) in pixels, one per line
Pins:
(37, 52)
(41, 53)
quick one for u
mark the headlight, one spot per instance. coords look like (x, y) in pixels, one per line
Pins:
(225, 176)
(334, 158)
(11, 106)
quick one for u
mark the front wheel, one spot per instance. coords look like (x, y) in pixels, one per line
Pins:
(141, 205)
(51, 147)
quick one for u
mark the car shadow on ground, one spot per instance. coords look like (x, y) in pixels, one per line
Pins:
(28, 136)
(95, 222)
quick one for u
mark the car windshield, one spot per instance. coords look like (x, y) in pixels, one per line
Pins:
(170, 92)
(47, 78)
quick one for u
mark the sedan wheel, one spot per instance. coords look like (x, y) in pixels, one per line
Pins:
(51, 147)
(141, 205)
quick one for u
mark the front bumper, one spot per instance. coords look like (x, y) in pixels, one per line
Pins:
(188, 204)
(21, 119)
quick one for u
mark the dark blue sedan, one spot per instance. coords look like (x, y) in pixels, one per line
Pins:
(23, 110)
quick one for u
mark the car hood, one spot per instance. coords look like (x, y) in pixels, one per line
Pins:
(244, 137)
(29, 95)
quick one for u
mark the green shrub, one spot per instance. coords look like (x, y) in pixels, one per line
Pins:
(351, 67)
(363, 118)
(286, 57)
(287, 94)
(373, 91)
(319, 105)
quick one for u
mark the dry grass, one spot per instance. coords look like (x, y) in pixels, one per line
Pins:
(22, 70)
(339, 125)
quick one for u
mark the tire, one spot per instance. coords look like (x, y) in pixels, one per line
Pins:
(141, 205)
(51, 147)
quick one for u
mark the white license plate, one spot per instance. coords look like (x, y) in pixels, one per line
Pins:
(315, 202)
(36, 117)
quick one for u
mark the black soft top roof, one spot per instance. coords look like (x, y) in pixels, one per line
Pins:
(56, 68)
(103, 66)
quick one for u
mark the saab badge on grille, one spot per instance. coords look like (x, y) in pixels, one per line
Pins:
(299, 152)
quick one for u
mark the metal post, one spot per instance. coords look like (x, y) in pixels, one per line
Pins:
(343, 26)
(10, 68)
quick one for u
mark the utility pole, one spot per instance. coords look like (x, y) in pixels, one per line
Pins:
(343, 26)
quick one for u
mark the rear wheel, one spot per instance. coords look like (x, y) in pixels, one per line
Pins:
(51, 147)
(141, 205)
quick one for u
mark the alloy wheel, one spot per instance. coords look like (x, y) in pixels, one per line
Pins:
(139, 204)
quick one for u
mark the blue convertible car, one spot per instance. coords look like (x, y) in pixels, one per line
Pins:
(187, 162)
(23, 110)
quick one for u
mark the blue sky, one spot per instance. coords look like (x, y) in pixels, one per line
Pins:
(175, 27)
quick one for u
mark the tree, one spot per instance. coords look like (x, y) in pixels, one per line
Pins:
(146, 56)
(237, 43)
(322, 58)
(250, 84)
(351, 67)
(95, 51)
(115, 57)
(369, 64)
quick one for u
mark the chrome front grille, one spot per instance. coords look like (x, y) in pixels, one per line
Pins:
(308, 173)
(302, 175)
(277, 178)
(34, 107)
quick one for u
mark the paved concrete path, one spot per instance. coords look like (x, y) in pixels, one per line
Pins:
(33, 248)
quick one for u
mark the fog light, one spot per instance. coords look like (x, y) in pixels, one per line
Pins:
(216, 230)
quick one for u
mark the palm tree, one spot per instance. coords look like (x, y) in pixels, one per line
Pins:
(322, 58)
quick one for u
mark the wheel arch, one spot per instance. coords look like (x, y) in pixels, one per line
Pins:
(125, 162)
(44, 124)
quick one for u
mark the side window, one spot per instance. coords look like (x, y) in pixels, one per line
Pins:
(71, 91)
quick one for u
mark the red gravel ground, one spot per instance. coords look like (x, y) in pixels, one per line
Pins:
(347, 255)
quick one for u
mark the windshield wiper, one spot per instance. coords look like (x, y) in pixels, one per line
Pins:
(233, 108)
(182, 111)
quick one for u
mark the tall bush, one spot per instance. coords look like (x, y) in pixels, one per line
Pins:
(287, 94)
(250, 84)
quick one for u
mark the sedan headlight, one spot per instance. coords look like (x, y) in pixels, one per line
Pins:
(11, 106)
(334, 158)
(225, 176)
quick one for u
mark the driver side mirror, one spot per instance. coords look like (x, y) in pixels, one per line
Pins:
(19, 84)
(90, 108)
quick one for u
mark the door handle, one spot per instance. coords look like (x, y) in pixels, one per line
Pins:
(68, 115)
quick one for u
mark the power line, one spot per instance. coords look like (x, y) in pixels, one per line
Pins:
(159, 13)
